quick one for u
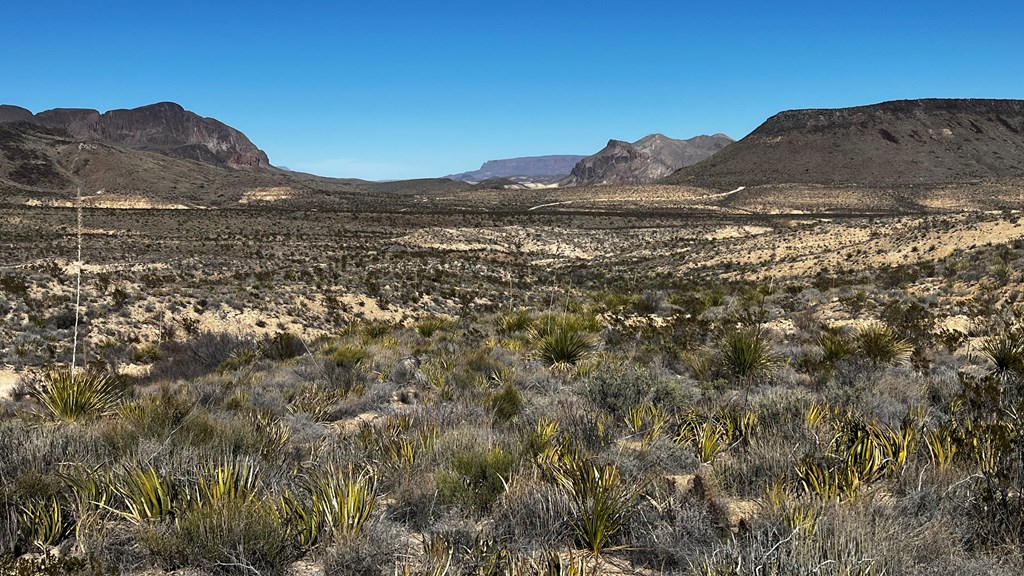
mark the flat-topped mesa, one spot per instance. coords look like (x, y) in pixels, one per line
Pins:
(165, 128)
(652, 157)
(898, 143)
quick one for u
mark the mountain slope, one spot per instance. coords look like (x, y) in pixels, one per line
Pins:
(530, 168)
(165, 128)
(921, 142)
(646, 160)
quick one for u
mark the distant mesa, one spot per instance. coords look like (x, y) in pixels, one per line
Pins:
(646, 160)
(165, 128)
(531, 169)
(898, 143)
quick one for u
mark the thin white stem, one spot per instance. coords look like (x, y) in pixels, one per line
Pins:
(78, 270)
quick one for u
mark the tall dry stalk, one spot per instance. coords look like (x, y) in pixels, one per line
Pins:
(78, 265)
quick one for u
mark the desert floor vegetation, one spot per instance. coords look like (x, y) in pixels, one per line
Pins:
(277, 393)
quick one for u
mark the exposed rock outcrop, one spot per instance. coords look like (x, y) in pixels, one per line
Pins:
(646, 160)
(165, 128)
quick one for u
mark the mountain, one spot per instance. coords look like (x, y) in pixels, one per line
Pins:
(904, 142)
(646, 160)
(165, 128)
(44, 165)
(528, 169)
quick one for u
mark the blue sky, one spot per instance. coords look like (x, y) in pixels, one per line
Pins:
(384, 90)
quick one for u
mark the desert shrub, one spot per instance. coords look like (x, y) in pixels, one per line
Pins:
(70, 396)
(283, 346)
(474, 478)
(531, 513)
(201, 354)
(372, 552)
(506, 403)
(230, 538)
(618, 389)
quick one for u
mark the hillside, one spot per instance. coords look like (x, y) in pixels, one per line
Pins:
(165, 128)
(646, 160)
(527, 169)
(905, 142)
(39, 164)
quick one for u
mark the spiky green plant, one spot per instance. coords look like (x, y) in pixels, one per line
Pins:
(564, 346)
(747, 356)
(430, 325)
(42, 523)
(513, 322)
(601, 502)
(232, 480)
(146, 495)
(342, 498)
(879, 344)
(1005, 354)
(74, 395)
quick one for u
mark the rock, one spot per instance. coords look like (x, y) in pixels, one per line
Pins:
(165, 128)
(646, 160)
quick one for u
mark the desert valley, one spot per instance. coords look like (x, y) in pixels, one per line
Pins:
(798, 352)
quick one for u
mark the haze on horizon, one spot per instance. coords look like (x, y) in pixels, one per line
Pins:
(403, 90)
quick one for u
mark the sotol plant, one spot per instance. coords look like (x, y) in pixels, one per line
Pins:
(70, 396)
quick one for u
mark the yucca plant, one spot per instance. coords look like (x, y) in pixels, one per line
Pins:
(232, 480)
(828, 483)
(343, 499)
(709, 440)
(42, 523)
(879, 344)
(564, 346)
(747, 356)
(512, 322)
(430, 325)
(602, 503)
(74, 395)
(147, 495)
(1005, 355)
(941, 447)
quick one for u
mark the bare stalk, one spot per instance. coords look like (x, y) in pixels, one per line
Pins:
(78, 269)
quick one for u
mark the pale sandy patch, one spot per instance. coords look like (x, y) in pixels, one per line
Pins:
(268, 194)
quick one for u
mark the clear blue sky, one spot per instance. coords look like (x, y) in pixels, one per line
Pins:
(379, 90)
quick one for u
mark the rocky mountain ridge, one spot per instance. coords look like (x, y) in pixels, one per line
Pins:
(165, 128)
(648, 159)
(897, 143)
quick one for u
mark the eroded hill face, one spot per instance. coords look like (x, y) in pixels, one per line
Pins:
(646, 160)
(907, 142)
(165, 128)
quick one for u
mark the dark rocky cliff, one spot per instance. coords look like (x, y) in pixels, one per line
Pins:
(166, 128)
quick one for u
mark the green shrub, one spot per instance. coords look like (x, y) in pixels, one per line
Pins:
(229, 538)
(506, 403)
(475, 478)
